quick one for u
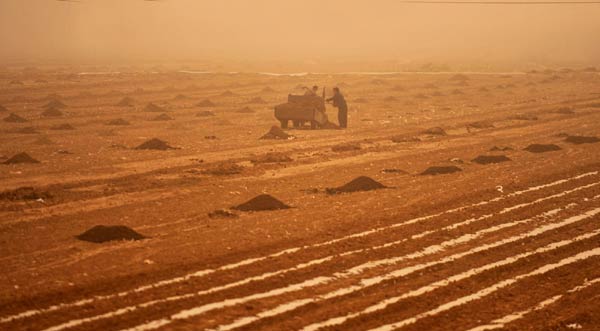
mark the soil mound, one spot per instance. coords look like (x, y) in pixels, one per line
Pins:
(151, 107)
(405, 139)
(489, 159)
(443, 170)
(276, 133)
(257, 100)
(436, 131)
(126, 102)
(24, 193)
(55, 104)
(541, 148)
(578, 140)
(227, 93)
(224, 169)
(205, 103)
(205, 113)
(260, 203)
(362, 183)
(268, 89)
(118, 121)
(500, 149)
(480, 125)
(162, 117)
(101, 233)
(346, 147)
(65, 126)
(21, 158)
(181, 97)
(3, 109)
(14, 118)
(245, 110)
(52, 112)
(155, 144)
(222, 213)
(272, 158)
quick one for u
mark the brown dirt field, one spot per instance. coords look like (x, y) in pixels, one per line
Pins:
(511, 245)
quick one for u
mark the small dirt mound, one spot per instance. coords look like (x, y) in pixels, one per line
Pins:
(205, 113)
(405, 139)
(54, 104)
(179, 97)
(500, 149)
(52, 112)
(102, 233)
(151, 107)
(224, 169)
(489, 159)
(436, 131)
(64, 126)
(222, 213)
(578, 140)
(441, 170)
(272, 158)
(118, 121)
(27, 130)
(260, 203)
(276, 133)
(3, 109)
(162, 117)
(205, 103)
(362, 183)
(21, 158)
(346, 147)
(155, 144)
(480, 125)
(257, 100)
(245, 110)
(541, 148)
(126, 102)
(268, 89)
(14, 118)
(24, 193)
(227, 93)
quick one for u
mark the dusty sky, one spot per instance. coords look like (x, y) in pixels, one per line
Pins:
(100, 31)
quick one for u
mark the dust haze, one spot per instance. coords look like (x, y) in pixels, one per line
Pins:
(307, 34)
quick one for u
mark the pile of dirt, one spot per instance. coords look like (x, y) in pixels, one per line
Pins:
(21, 158)
(155, 144)
(362, 183)
(24, 193)
(578, 140)
(27, 130)
(224, 169)
(205, 103)
(480, 125)
(245, 110)
(55, 104)
(541, 148)
(126, 102)
(272, 157)
(52, 112)
(101, 233)
(162, 117)
(441, 170)
(500, 149)
(436, 131)
(14, 118)
(222, 213)
(405, 139)
(179, 97)
(346, 147)
(227, 93)
(393, 171)
(276, 133)
(257, 100)
(260, 203)
(151, 107)
(330, 126)
(489, 159)
(268, 89)
(205, 113)
(64, 126)
(118, 121)
(526, 117)
(3, 109)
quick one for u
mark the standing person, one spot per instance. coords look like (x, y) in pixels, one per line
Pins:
(340, 103)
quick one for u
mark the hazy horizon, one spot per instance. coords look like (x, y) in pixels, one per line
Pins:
(305, 33)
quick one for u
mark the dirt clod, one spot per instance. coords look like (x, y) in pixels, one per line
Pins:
(155, 144)
(24, 193)
(52, 112)
(440, 170)
(489, 159)
(346, 147)
(222, 213)
(260, 203)
(578, 140)
(541, 148)
(14, 118)
(276, 133)
(102, 233)
(362, 183)
(21, 158)
(500, 149)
